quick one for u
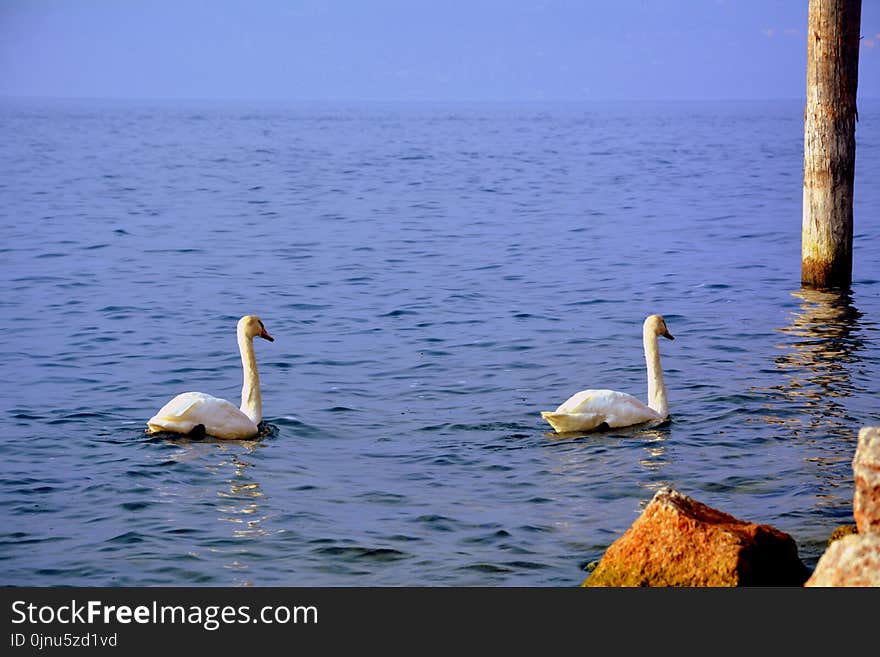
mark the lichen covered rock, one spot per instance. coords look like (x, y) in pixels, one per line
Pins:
(677, 541)
(853, 560)
(866, 473)
(840, 532)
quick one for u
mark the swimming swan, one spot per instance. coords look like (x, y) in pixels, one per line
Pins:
(218, 417)
(589, 409)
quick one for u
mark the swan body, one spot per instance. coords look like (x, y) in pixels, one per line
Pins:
(218, 417)
(588, 410)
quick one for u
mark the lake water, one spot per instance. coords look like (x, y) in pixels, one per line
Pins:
(434, 277)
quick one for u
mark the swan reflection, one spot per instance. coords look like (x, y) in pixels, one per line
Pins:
(242, 499)
(655, 458)
(581, 453)
(639, 459)
(234, 492)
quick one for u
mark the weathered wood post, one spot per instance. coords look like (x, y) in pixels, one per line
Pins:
(829, 142)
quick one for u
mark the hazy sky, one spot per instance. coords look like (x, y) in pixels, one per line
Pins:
(415, 49)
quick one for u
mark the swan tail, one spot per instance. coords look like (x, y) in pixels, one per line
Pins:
(573, 422)
(160, 425)
(176, 415)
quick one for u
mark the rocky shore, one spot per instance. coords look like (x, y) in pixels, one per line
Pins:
(678, 541)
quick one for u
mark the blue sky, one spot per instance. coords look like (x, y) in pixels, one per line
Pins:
(415, 49)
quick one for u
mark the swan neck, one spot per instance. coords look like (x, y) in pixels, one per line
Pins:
(656, 389)
(251, 400)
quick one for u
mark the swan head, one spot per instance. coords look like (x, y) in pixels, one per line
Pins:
(251, 326)
(656, 325)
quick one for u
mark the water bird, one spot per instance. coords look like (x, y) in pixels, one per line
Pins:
(589, 410)
(200, 414)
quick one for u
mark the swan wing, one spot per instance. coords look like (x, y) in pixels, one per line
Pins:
(221, 418)
(588, 409)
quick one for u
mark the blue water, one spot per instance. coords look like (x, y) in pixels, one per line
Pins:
(434, 277)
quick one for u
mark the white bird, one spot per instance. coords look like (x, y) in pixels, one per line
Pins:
(590, 409)
(196, 411)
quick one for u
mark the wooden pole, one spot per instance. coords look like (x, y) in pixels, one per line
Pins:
(829, 142)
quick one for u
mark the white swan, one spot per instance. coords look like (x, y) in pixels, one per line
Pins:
(590, 409)
(218, 417)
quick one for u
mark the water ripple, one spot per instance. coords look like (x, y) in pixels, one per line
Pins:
(433, 278)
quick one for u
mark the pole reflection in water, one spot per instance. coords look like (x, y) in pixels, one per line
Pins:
(819, 362)
(818, 400)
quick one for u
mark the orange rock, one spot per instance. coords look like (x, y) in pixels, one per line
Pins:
(678, 541)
